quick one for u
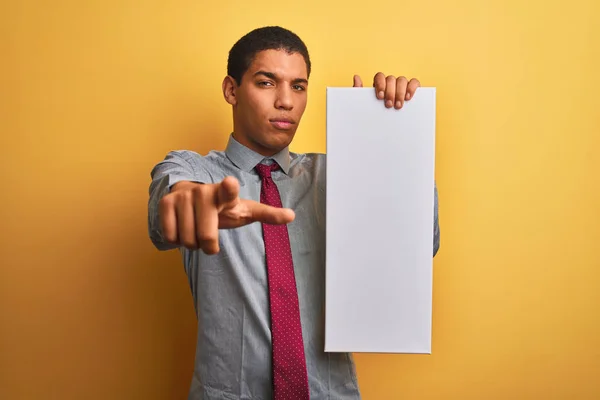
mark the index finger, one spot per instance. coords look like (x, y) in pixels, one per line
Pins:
(259, 212)
(412, 88)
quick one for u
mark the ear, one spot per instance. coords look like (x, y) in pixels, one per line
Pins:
(229, 90)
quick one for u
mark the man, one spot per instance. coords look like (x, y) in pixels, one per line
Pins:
(250, 225)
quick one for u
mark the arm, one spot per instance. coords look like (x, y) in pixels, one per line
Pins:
(186, 209)
(436, 223)
(394, 92)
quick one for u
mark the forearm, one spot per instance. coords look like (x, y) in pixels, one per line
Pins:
(436, 223)
(159, 189)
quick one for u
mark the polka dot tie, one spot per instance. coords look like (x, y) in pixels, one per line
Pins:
(290, 381)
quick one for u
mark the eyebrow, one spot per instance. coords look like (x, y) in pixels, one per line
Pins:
(271, 75)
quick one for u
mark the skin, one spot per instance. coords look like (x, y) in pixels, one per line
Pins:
(273, 89)
(267, 108)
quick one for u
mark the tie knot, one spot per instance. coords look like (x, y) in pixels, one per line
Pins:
(265, 170)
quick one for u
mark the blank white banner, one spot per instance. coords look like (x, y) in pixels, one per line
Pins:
(380, 204)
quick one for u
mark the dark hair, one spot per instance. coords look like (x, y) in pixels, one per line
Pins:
(244, 50)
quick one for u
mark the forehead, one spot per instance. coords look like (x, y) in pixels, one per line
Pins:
(280, 63)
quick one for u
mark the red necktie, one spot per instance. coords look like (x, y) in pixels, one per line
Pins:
(290, 380)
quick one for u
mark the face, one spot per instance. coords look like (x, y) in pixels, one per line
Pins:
(270, 101)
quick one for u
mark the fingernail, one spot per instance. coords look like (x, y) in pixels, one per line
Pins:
(407, 96)
(388, 103)
(398, 104)
(380, 95)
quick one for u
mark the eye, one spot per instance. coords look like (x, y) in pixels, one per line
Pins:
(299, 88)
(265, 83)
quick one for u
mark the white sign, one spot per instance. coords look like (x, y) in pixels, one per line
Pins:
(380, 204)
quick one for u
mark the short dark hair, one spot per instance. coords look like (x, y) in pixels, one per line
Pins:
(245, 49)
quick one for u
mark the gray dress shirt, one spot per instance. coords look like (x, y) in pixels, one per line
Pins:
(233, 354)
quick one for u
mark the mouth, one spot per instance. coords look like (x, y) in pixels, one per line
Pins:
(282, 123)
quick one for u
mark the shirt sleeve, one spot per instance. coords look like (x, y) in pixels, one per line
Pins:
(436, 223)
(176, 167)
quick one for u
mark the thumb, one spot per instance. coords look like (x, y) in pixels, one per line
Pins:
(357, 81)
(227, 192)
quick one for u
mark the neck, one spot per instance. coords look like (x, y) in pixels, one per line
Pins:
(254, 146)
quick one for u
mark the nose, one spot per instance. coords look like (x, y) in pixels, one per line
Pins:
(284, 99)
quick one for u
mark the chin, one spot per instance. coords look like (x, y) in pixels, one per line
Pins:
(279, 141)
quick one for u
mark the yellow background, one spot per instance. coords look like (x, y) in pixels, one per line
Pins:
(94, 93)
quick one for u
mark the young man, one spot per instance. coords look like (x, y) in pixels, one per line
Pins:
(250, 223)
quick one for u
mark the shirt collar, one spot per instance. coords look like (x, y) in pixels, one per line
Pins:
(246, 159)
